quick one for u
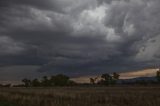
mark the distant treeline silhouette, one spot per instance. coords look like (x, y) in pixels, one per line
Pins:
(57, 80)
(63, 80)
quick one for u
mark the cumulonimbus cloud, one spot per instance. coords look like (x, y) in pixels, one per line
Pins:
(84, 37)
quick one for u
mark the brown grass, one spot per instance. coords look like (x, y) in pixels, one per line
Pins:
(82, 96)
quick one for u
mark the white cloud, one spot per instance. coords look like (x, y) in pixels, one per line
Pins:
(112, 36)
(91, 21)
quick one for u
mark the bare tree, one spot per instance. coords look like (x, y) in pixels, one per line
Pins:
(93, 80)
(158, 75)
(116, 76)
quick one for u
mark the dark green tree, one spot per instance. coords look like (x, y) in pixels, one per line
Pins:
(45, 82)
(36, 83)
(60, 80)
(106, 79)
(52, 81)
(115, 78)
(27, 82)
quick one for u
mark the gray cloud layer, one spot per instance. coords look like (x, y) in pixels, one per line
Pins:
(78, 37)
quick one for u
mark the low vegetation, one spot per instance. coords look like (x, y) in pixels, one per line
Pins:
(81, 96)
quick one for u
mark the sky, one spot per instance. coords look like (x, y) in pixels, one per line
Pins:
(77, 37)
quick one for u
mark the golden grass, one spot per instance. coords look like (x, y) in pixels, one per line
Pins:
(82, 96)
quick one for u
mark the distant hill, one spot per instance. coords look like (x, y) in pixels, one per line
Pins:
(138, 79)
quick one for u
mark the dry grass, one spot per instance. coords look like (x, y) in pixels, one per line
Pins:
(82, 96)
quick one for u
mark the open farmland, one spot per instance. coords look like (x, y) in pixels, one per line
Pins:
(80, 96)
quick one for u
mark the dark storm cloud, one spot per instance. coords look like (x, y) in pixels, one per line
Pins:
(80, 37)
(136, 21)
(40, 4)
(110, 1)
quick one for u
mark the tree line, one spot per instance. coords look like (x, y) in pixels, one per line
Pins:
(63, 80)
(57, 80)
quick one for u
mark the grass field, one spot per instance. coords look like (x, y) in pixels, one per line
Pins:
(80, 96)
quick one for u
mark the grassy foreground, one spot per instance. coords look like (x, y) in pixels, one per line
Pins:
(80, 96)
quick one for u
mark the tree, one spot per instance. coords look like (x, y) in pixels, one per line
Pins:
(45, 81)
(36, 83)
(27, 82)
(158, 75)
(52, 81)
(106, 79)
(92, 81)
(116, 76)
(60, 80)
